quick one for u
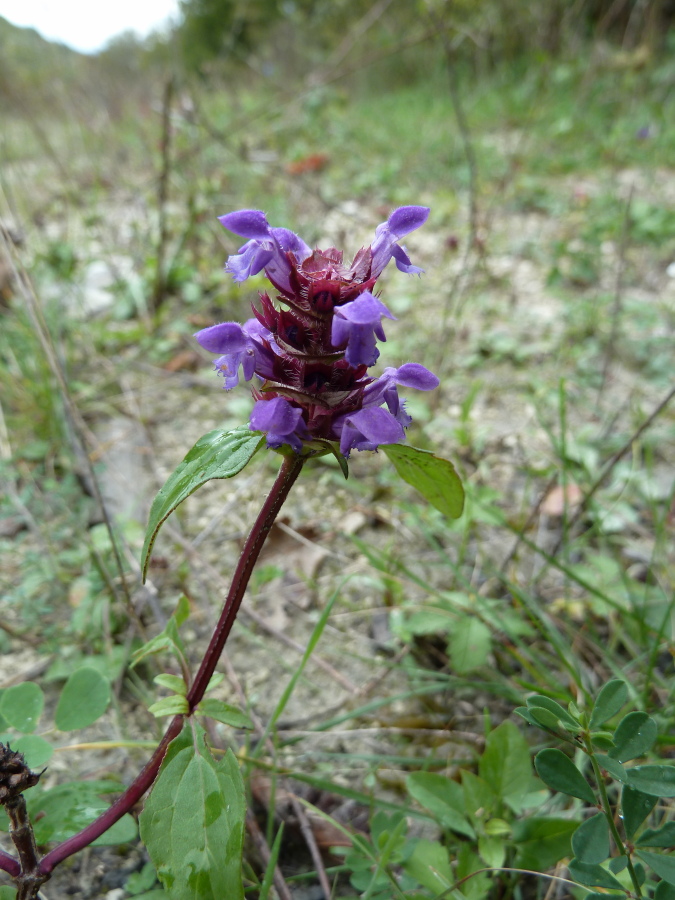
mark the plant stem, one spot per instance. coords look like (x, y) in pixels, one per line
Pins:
(30, 878)
(609, 815)
(288, 473)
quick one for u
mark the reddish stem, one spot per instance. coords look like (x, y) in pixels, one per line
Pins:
(9, 864)
(288, 473)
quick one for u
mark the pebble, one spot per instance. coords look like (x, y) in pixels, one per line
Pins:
(116, 894)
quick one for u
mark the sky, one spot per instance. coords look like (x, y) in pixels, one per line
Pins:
(85, 25)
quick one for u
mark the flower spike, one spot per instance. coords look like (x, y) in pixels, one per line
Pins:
(312, 356)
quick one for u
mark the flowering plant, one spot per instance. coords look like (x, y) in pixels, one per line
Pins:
(314, 395)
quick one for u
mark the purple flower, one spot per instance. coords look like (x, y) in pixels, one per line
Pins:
(368, 428)
(240, 346)
(384, 388)
(383, 426)
(267, 247)
(357, 324)
(401, 222)
(282, 422)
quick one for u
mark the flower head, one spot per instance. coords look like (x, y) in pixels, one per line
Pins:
(312, 354)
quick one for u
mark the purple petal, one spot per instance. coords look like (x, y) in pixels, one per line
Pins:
(276, 415)
(416, 376)
(358, 324)
(248, 223)
(228, 367)
(403, 263)
(367, 428)
(289, 240)
(406, 219)
(228, 337)
(401, 222)
(365, 310)
(251, 259)
(361, 347)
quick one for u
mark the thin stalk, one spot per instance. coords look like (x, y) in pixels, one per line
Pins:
(288, 473)
(30, 878)
(610, 816)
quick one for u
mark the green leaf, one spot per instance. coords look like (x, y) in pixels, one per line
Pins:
(640, 872)
(544, 718)
(270, 868)
(84, 699)
(193, 821)
(601, 895)
(618, 864)
(634, 736)
(479, 798)
(443, 798)
(175, 705)
(182, 611)
(468, 862)
(664, 891)
(663, 865)
(497, 828)
(60, 812)
(224, 712)
(434, 477)
(173, 682)
(559, 773)
(527, 715)
(590, 842)
(656, 780)
(609, 701)
(635, 807)
(541, 701)
(658, 837)
(216, 679)
(469, 645)
(36, 750)
(7, 893)
(429, 864)
(168, 639)
(334, 448)
(612, 767)
(138, 882)
(602, 739)
(492, 850)
(592, 875)
(22, 706)
(505, 764)
(218, 454)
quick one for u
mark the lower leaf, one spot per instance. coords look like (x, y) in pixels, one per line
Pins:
(193, 821)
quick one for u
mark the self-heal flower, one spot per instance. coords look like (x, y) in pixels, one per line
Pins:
(357, 324)
(385, 246)
(246, 346)
(281, 420)
(385, 388)
(311, 357)
(368, 428)
(373, 425)
(267, 248)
